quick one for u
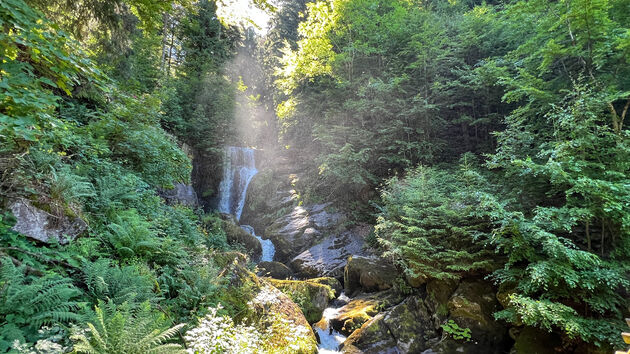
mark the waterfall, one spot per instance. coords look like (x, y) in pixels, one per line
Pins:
(238, 170)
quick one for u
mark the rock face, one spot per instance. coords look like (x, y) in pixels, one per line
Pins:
(274, 270)
(42, 226)
(369, 274)
(329, 257)
(181, 194)
(300, 229)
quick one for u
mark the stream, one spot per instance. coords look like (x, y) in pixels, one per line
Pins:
(238, 170)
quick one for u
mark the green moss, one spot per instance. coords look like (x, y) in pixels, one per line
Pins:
(310, 296)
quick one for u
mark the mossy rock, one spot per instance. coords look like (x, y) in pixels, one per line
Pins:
(312, 297)
(223, 259)
(274, 270)
(373, 337)
(333, 283)
(355, 313)
(472, 306)
(405, 328)
(276, 314)
(236, 236)
(241, 287)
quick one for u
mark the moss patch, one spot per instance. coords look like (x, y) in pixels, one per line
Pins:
(312, 297)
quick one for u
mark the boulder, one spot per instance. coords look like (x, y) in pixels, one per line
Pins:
(354, 314)
(439, 292)
(273, 312)
(275, 270)
(300, 229)
(236, 235)
(312, 297)
(368, 273)
(43, 226)
(333, 283)
(405, 328)
(372, 338)
(284, 320)
(361, 309)
(180, 194)
(472, 306)
(329, 258)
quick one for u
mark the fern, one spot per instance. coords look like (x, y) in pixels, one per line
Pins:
(124, 329)
(105, 281)
(27, 304)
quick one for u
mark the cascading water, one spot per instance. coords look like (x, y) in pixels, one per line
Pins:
(238, 171)
(330, 340)
(268, 250)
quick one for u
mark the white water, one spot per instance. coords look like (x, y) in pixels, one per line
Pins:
(330, 340)
(238, 170)
(268, 250)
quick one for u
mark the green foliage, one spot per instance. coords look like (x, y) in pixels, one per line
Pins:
(452, 329)
(118, 284)
(27, 303)
(427, 223)
(391, 82)
(123, 329)
(191, 288)
(38, 58)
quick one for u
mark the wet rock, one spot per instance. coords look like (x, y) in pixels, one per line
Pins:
(405, 328)
(312, 297)
(354, 314)
(300, 229)
(275, 270)
(180, 194)
(361, 309)
(238, 236)
(330, 257)
(368, 273)
(372, 338)
(43, 226)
